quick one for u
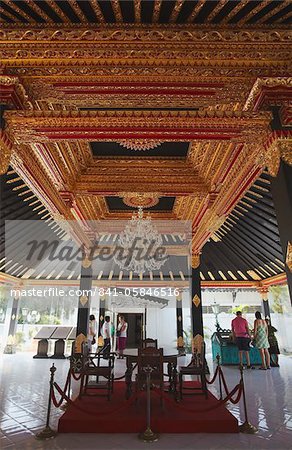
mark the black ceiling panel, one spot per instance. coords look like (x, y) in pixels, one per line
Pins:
(244, 11)
(186, 11)
(224, 11)
(265, 10)
(13, 12)
(113, 149)
(49, 11)
(205, 11)
(117, 204)
(107, 11)
(30, 12)
(280, 14)
(87, 10)
(147, 7)
(127, 9)
(65, 6)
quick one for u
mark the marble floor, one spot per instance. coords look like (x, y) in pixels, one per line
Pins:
(24, 396)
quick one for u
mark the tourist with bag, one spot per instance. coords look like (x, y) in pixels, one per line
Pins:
(261, 340)
(91, 332)
(121, 334)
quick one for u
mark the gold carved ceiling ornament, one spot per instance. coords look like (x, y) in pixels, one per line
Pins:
(289, 256)
(268, 82)
(139, 144)
(5, 153)
(279, 148)
(19, 90)
(139, 199)
(286, 150)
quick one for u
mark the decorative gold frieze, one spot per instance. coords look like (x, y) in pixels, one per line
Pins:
(289, 256)
(127, 33)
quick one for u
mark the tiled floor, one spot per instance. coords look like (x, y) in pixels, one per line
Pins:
(24, 395)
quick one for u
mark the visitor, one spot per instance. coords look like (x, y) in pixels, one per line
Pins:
(241, 337)
(106, 334)
(91, 332)
(121, 336)
(261, 340)
(274, 347)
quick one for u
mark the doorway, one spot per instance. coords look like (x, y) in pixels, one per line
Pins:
(135, 328)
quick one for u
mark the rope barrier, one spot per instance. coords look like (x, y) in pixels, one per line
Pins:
(130, 372)
(126, 403)
(238, 387)
(214, 376)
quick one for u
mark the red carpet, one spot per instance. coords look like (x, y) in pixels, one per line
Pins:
(122, 416)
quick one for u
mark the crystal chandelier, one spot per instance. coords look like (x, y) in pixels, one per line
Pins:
(139, 243)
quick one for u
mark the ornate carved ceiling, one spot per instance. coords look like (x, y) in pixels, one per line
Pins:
(65, 87)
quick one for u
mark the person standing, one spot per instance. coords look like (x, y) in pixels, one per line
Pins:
(274, 347)
(122, 336)
(91, 332)
(106, 334)
(241, 336)
(261, 340)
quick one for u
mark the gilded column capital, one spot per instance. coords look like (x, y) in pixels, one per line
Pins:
(263, 291)
(196, 260)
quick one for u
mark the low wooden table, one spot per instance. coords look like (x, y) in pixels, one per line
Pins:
(168, 358)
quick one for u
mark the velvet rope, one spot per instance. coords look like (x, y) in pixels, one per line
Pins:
(57, 403)
(214, 376)
(123, 376)
(76, 378)
(238, 387)
(236, 400)
(224, 382)
(126, 403)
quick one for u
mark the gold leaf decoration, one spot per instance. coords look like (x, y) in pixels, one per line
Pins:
(196, 300)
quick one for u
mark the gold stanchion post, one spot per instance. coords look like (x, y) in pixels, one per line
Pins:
(148, 435)
(220, 382)
(246, 427)
(47, 432)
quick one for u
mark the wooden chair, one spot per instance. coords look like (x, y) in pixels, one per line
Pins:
(93, 367)
(197, 367)
(146, 343)
(150, 360)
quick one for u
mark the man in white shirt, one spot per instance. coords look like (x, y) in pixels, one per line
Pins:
(106, 334)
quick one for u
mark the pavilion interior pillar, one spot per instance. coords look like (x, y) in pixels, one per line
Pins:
(196, 306)
(12, 312)
(179, 323)
(102, 309)
(263, 291)
(83, 304)
(281, 187)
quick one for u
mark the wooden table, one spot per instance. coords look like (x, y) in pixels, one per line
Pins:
(168, 358)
